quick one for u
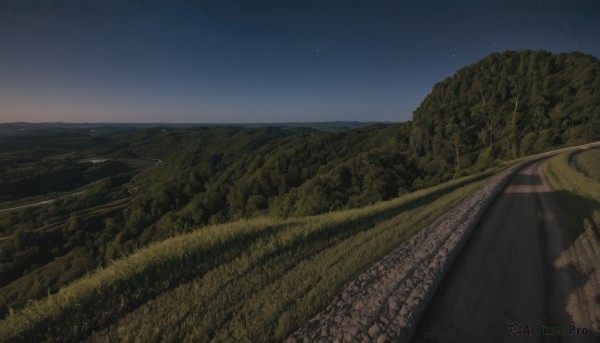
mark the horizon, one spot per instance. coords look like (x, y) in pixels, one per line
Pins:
(264, 62)
(202, 123)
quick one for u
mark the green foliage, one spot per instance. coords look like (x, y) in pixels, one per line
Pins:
(588, 162)
(516, 103)
(577, 194)
(24, 176)
(234, 281)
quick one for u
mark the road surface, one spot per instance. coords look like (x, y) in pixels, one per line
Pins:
(520, 268)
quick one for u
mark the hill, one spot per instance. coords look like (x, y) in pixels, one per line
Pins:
(252, 280)
(507, 105)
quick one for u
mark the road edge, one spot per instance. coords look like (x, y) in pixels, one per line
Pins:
(418, 266)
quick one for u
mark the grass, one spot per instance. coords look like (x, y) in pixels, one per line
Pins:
(252, 280)
(588, 162)
(577, 190)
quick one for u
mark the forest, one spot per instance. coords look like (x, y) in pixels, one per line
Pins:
(508, 105)
(158, 182)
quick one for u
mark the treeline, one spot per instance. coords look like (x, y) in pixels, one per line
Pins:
(307, 173)
(302, 175)
(507, 105)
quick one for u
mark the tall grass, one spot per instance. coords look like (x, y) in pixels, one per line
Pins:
(588, 163)
(252, 280)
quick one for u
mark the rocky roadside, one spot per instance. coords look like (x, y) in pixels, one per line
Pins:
(385, 303)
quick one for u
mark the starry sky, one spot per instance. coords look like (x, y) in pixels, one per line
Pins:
(260, 61)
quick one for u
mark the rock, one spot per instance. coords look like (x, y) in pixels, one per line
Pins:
(353, 330)
(392, 304)
(373, 330)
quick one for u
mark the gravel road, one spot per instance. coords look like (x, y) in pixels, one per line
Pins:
(384, 303)
(521, 266)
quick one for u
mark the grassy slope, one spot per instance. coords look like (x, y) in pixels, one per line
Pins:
(250, 280)
(587, 162)
(578, 194)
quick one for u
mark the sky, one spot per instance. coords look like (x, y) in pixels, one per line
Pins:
(260, 61)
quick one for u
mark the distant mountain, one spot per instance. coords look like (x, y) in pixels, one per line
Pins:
(508, 105)
(103, 128)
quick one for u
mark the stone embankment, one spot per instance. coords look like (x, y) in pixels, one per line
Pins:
(385, 303)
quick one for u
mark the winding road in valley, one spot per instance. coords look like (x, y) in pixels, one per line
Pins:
(156, 161)
(521, 266)
(41, 203)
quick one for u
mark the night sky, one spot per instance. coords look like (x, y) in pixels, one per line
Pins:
(259, 61)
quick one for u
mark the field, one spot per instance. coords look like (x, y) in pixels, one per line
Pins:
(251, 280)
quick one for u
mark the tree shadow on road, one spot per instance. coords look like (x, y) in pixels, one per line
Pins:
(526, 180)
(579, 212)
(574, 262)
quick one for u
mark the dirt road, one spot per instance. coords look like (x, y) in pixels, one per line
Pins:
(521, 267)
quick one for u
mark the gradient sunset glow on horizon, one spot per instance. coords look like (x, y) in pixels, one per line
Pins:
(259, 61)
